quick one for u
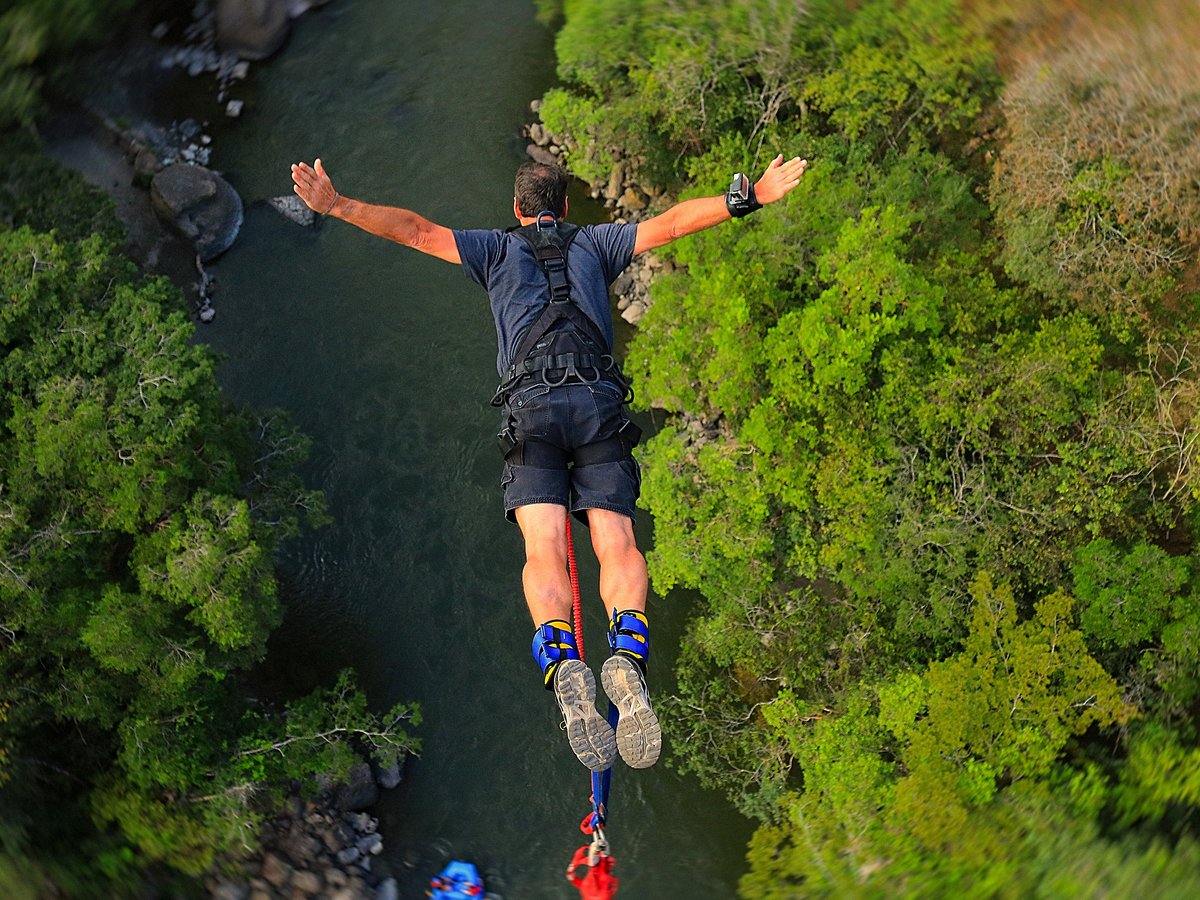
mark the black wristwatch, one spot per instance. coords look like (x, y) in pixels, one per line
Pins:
(740, 199)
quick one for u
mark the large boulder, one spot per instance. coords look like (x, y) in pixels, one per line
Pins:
(199, 204)
(360, 790)
(253, 29)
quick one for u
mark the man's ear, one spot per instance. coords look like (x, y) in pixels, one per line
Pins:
(566, 205)
(516, 208)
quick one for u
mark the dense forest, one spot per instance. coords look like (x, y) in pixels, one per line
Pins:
(139, 512)
(931, 453)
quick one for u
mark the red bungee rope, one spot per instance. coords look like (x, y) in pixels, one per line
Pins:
(598, 861)
(576, 603)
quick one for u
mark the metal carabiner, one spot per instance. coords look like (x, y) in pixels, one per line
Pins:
(567, 373)
(599, 846)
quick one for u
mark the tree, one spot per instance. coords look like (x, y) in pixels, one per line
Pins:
(139, 513)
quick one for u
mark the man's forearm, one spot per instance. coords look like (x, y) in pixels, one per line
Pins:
(680, 220)
(392, 222)
(395, 223)
(690, 216)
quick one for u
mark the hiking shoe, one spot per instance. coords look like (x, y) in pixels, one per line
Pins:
(639, 737)
(588, 732)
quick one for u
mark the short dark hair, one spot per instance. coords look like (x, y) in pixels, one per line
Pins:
(539, 187)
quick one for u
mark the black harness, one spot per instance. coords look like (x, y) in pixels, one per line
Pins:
(563, 346)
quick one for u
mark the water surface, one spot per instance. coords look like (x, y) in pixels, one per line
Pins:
(386, 358)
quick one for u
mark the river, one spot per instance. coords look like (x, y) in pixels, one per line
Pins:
(386, 358)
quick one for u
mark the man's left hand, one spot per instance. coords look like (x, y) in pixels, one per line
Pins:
(779, 179)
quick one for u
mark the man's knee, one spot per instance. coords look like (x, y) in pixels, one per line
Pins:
(544, 529)
(612, 533)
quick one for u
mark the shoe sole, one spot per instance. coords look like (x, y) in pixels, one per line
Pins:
(588, 732)
(639, 737)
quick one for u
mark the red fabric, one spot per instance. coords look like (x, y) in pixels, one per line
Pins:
(597, 882)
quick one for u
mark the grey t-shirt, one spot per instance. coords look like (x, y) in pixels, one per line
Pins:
(504, 265)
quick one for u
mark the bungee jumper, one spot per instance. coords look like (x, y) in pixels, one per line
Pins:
(565, 435)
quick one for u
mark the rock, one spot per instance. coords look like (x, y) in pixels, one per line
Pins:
(145, 166)
(228, 889)
(233, 108)
(389, 776)
(335, 878)
(275, 871)
(371, 844)
(300, 847)
(200, 205)
(297, 8)
(387, 890)
(348, 856)
(253, 29)
(540, 154)
(292, 207)
(634, 312)
(537, 133)
(307, 884)
(616, 179)
(632, 200)
(359, 792)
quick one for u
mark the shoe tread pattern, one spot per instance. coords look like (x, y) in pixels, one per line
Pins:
(589, 734)
(639, 736)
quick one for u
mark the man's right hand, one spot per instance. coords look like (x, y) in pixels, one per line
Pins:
(313, 185)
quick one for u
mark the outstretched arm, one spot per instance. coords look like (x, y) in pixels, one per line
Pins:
(695, 215)
(314, 187)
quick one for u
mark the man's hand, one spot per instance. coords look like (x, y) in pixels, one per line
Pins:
(313, 186)
(778, 181)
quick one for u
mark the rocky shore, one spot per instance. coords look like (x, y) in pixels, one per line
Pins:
(179, 213)
(322, 847)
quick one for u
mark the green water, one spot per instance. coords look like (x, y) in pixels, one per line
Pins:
(385, 358)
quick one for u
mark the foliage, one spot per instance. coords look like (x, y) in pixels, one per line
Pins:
(1096, 193)
(965, 343)
(35, 192)
(37, 31)
(929, 778)
(138, 517)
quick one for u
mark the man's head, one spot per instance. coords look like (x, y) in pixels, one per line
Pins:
(540, 187)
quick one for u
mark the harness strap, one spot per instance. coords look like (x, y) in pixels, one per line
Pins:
(553, 642)
(542, 455)
(549, 241)
(629, 634)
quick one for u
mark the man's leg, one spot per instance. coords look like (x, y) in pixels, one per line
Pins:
(623, 586)
(623, 581)
(548, 596)
(547, 585)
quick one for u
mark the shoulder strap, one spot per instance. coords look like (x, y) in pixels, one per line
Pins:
(549, 245)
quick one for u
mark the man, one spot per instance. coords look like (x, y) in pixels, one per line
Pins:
(566, 437)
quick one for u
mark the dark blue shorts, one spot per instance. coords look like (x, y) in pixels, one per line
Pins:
(570, 416)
